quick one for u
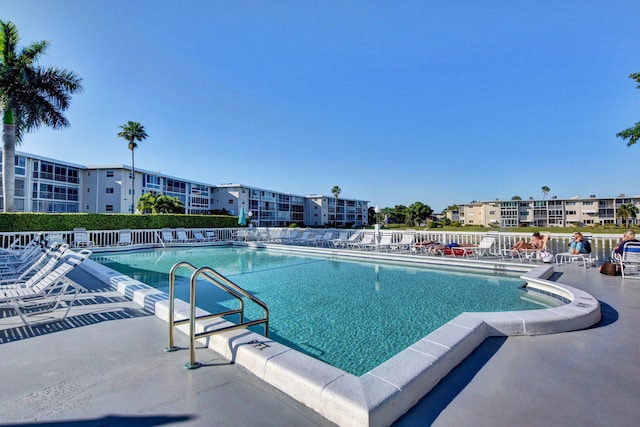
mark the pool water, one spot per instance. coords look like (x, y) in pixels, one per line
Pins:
(352, 315)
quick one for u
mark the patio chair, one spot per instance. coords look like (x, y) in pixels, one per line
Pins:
(167, 236)
(198, 236)
(405, 243)
(303, 239)
(44, 293)
(342, 237)
(324, 239)
(46, 262)
(587, 259)
(385, 243)
(124, 238)
(630, 259)
(210, 236)
(368, 240)
(81, 238)
(181, 236)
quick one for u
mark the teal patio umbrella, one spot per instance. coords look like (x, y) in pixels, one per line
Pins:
(242, 218)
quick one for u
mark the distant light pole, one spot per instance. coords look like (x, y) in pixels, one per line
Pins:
(250, 214)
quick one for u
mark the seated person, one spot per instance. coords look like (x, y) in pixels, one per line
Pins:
(577, 246)
(536, 242)
(629, 236)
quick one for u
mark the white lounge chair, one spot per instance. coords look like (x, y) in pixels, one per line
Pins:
(324, 238)
(587, 259)
(629, 260)
(42, 265)
(210, 236)
(344, 243)
(368, 241)
(182, 236)
(44, 293)
(484, 247)
(167, 236)
(405, 243)
(124, 238)
(343, 236)
(81, 238)
(198, 236)
(385, 243)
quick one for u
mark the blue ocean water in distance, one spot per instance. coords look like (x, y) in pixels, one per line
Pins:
(352, 315)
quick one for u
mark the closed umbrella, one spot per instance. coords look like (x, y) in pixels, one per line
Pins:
(242, 218)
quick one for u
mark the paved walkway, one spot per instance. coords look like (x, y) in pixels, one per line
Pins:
(105, 366)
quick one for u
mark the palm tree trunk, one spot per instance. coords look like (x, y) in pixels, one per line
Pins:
(8, 165)
(133, 182)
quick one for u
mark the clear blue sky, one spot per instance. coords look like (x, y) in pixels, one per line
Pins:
(394, 101)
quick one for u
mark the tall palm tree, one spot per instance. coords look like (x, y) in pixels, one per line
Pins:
(545, 191)
(30, 96)
(132, 132)
(336, 192)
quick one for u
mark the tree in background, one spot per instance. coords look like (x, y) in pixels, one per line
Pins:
(336, 193)
(626, 211)
(632, 133)
(516, 198)
(417, 212)
(30, 96)
(545, 191)
(132, 132)
(159, 204)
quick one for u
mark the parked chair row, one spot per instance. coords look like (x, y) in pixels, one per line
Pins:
(46, 290)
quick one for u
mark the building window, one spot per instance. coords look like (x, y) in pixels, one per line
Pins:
(109, 174)
(230, 201)
(108, 208)
(109, 190)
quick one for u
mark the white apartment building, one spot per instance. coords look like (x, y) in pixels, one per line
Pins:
(48, 185)
(268, 208)
(554, 212)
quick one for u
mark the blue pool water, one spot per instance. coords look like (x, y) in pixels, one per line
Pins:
(352, 315)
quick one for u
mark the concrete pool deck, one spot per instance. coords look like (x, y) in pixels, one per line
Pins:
(107, 361)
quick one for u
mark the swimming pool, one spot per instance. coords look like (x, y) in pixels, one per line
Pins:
(352, 315)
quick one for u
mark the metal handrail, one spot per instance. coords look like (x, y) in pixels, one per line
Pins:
(222, 283)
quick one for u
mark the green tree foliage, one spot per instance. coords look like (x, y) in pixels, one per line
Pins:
(516, 198)
(631, 134)
(417, 212)
(30, 96)
(545, 191)
(159, 203)
(626, 211)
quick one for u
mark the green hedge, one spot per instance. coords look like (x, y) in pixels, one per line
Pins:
(15, 222)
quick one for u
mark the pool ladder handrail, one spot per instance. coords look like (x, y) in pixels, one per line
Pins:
(224, 284)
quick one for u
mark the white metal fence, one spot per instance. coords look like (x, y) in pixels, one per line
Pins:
(602, 244)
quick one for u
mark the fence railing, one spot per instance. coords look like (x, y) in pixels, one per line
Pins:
(602, 244)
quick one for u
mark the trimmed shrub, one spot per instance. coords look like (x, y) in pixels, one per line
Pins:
(15, 222)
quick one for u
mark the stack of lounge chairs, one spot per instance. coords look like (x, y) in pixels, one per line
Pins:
(40, 285)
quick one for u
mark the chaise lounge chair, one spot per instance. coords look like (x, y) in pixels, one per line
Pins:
(81, 238)
(44, 293)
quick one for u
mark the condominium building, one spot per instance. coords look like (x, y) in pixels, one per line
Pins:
(47, 185)
(271, 208)
(554, 212)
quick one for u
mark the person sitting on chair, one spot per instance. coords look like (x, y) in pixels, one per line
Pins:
(535, 242)
(628, 236)
(577, 246)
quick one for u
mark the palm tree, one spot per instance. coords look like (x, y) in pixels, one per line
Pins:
(132, 132)
(626, 211)
(336, 192)
(545, 191)
(30, 96)
(632, 133)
